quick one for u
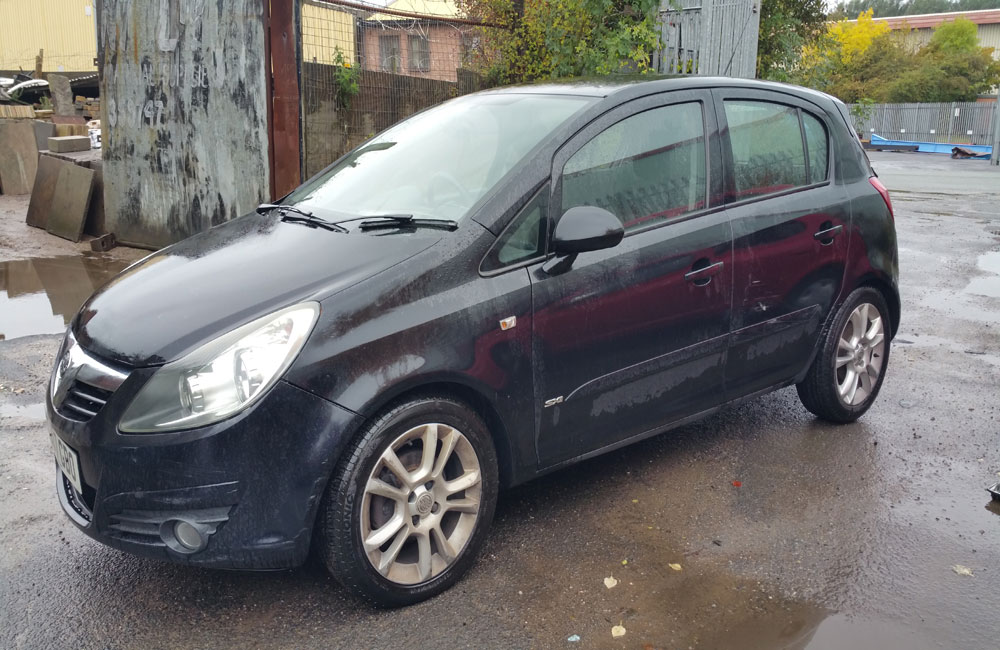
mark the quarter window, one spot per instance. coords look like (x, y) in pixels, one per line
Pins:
(818, 146)
(525, 238)
(646, 169)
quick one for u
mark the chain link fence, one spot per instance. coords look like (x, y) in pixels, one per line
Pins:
(364, 69)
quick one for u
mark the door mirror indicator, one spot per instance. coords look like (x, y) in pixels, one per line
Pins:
(586, 228)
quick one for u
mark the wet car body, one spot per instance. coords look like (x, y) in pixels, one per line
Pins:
(607, 347)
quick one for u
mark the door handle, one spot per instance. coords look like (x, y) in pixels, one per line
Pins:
(825, 236)
(702, 275)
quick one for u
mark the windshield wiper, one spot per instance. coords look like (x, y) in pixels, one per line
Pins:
(406, 220)
(300, 216)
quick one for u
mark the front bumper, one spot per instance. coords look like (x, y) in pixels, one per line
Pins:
(250, 484)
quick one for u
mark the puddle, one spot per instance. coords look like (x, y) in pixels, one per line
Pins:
(800, 626)
(41, 296)
(839, 631)
(988, 285)
(29, 411)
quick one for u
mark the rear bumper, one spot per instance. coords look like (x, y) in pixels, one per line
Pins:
(250, 485)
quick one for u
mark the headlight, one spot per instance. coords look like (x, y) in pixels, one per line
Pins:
(223, 376)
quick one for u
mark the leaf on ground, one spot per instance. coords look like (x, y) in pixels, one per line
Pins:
(617, 631)
(624, 562)
(962, 570)
(674, 566)
(610, 582)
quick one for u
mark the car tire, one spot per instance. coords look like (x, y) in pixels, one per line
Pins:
(422, 532)
(847, 373)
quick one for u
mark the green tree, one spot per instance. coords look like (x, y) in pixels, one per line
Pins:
(541, 39)
(785, 28)
(862, 60)
(959, 35)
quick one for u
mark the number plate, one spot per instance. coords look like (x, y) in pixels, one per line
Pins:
(68, 461)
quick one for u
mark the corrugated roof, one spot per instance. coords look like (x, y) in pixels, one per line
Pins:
(928, 21)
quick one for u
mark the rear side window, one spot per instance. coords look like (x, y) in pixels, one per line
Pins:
(773, 150)
(646, 169)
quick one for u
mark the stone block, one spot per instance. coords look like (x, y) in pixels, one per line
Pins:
(70, 201)
(44, 131)
(43, 191)
(62, 95)
(69, 143)
(18, 157)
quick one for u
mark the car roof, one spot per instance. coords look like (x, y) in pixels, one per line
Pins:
(644, 84)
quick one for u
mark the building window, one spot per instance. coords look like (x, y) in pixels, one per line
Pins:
(420, 53)
(388, 51)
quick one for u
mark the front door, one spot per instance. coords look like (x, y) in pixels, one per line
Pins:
(790, 226)
(631, 338)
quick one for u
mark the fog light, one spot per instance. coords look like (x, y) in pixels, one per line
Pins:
(187, 535)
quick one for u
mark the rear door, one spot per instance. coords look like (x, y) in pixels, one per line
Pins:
(790, 226)
(630, 338)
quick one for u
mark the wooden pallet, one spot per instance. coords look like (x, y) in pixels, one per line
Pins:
(16, 111)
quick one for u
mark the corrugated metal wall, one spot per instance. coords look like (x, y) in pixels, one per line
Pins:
(325, 29)
(957, 122)
(65, 29)
(989, 36)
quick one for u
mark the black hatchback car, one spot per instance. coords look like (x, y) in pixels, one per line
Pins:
(493, 289)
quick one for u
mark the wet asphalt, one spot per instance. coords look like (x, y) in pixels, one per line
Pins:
(788, 532)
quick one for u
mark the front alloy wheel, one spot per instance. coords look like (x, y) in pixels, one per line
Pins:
(410, 502)
(421, 503)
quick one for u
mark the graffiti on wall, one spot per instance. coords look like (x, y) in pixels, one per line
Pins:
(186, 143)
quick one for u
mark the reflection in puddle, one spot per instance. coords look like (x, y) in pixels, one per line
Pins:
(41, 296)
(987, 285)
(28, 411)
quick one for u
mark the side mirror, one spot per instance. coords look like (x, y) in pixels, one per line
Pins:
(586, 228)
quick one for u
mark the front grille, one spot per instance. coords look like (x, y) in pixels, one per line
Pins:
(83, 401)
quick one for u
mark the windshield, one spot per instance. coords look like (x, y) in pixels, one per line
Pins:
(438, 163)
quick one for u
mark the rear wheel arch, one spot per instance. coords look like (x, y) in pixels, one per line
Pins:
(890, 295)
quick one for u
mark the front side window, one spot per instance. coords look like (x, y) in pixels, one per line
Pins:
(438, 163)
(420, 53)
(773, 150)
(646, 169)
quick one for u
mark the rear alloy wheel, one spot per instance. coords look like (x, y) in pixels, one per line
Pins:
(848, 371)
(407, 510)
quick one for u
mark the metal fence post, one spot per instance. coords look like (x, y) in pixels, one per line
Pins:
(995, 157)
(951, 121)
